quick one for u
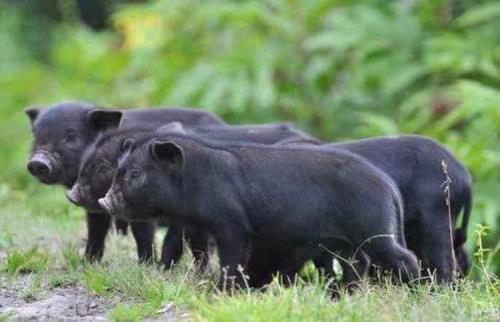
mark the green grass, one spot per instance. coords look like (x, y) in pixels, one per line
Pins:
(5, 316)
(26, 261)
(408, 69)
(42, 251)
(127, 312)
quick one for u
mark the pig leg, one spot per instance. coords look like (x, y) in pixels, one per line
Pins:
(144, 233)
(324, 264)
(262, 264)
(393, 257)
(355, 265)
(436, 246)
(413, 237)
(172, 247)
(463, 261)
(293, 263)
(234, 252)
(198, 241)
(97, 228)
(354, 262)
(121, 226)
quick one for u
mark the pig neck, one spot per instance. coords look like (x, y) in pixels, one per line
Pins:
(215, 174)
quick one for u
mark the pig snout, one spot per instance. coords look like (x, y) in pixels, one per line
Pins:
(105, 204)
(40, 166)
(112, 203)
(73, 195)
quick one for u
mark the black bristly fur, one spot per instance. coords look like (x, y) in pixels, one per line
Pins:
(414, 163)
(292, 198)
(62, 132)
(108, 147)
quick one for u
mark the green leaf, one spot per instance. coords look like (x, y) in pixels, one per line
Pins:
(481, 14)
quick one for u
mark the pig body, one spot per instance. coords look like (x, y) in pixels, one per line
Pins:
(154, 118)
(272, 133)
(415, 165)
(248, 194)
(100, 162)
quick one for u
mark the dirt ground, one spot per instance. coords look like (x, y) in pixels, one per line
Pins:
(69, 303)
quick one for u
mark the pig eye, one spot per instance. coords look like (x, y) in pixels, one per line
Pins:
(135, 174)
(103, 168)
(70, 136)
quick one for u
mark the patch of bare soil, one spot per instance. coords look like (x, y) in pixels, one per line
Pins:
(69, 303)
(72, 303)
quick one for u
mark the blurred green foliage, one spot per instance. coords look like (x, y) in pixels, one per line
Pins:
(339, 69)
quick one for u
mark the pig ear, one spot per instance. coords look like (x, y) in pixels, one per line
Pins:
(127, 145)
(168, 153)
(174, 127)
(32, 112)
(101, 119)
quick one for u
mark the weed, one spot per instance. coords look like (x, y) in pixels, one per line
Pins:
(143, 290)
(484, 255)
(20, 261)
(72, 259)
(96, 281)
(128, 313)
(5, 316)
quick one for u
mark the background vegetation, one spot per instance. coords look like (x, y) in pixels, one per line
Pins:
(338, 69)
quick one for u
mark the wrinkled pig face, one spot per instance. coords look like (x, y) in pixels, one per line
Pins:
(93, 182)
(97, 169)
(61, 133)
(146, 183)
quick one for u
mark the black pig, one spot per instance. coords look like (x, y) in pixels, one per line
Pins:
(414, 163)
(297, 197)
(63, 131)
(100, 161)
